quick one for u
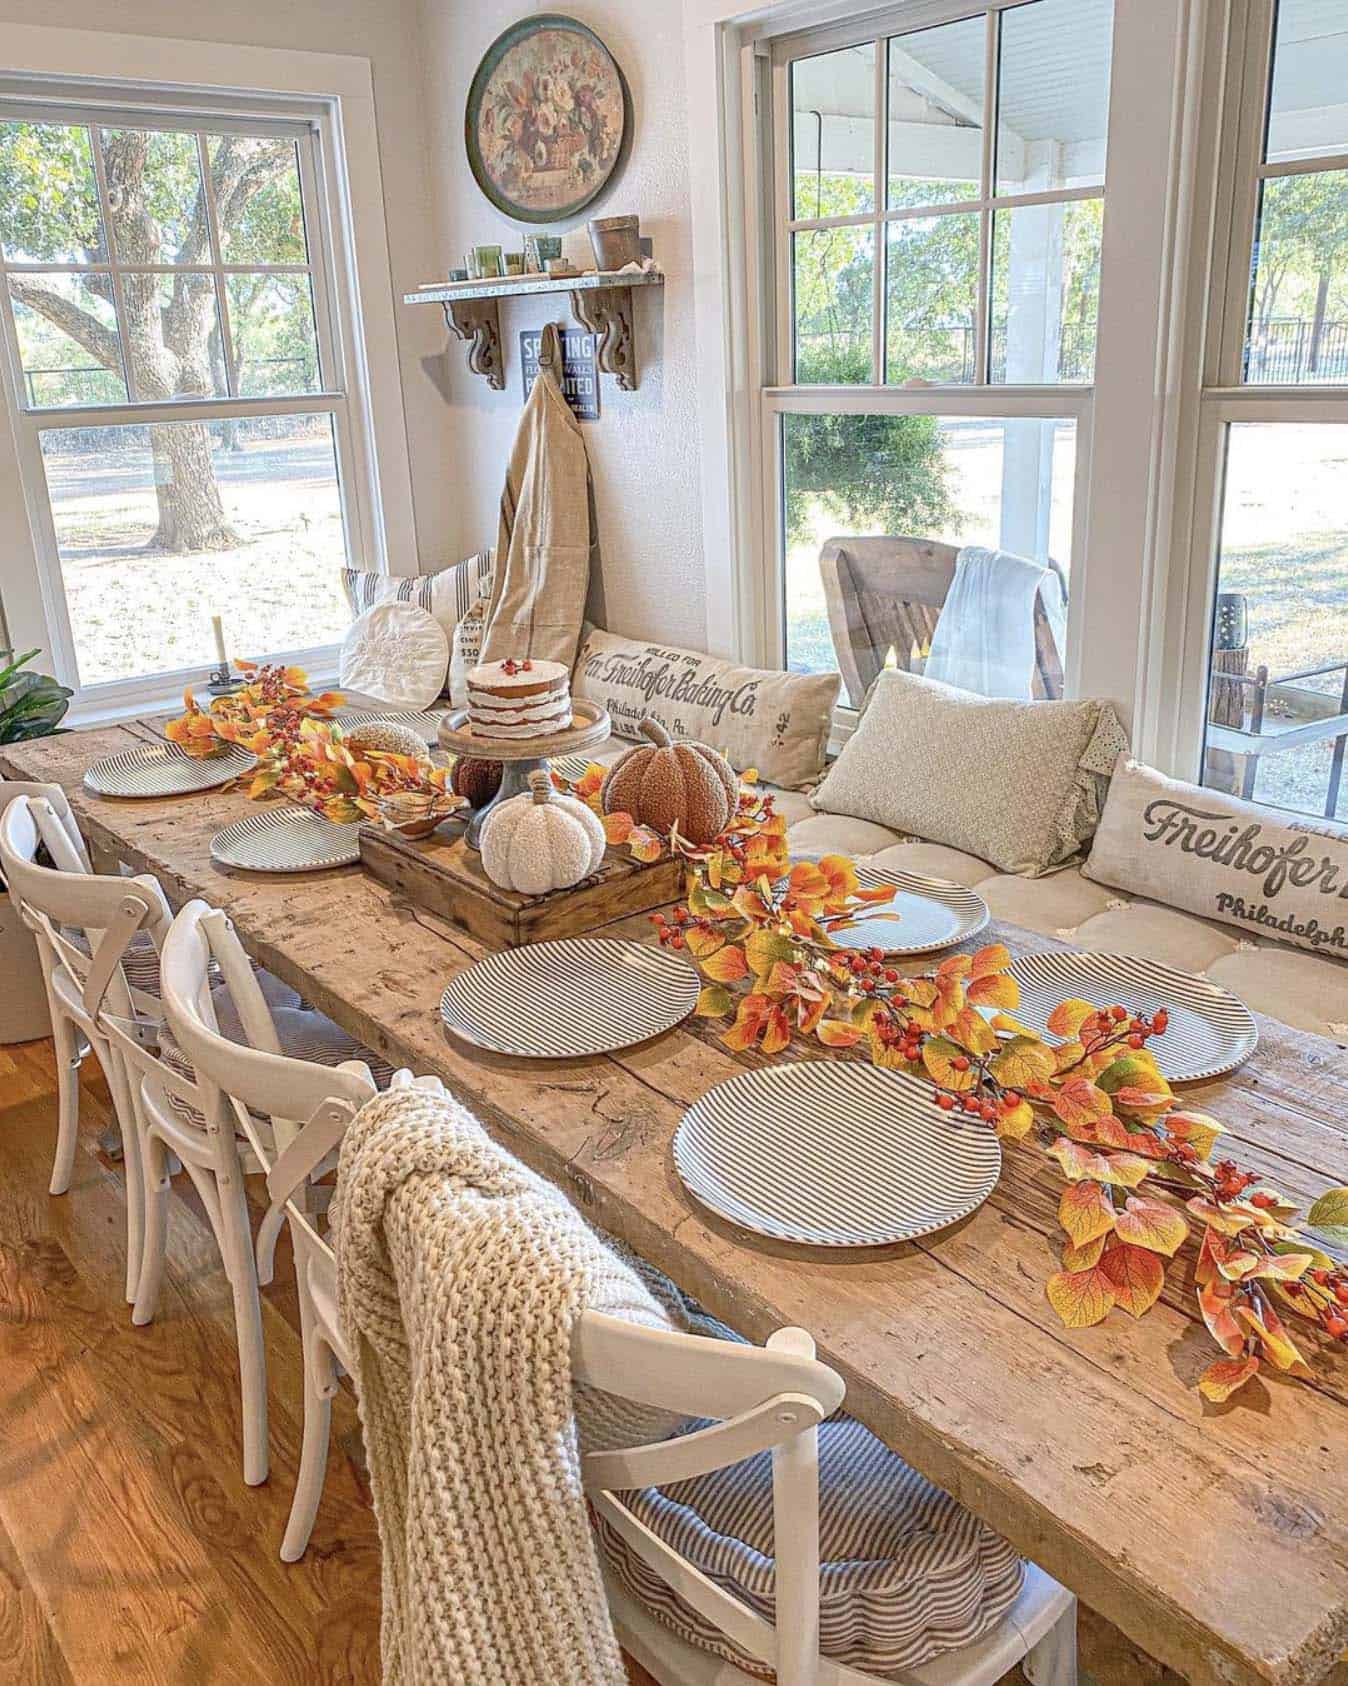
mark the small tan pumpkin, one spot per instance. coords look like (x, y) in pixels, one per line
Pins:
(662, 783)
(387, 737)
(541, 841)
(475, 780)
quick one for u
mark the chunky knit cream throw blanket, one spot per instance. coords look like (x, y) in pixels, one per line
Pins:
(461, 1275)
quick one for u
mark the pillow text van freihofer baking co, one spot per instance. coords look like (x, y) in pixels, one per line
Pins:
(1265, 872)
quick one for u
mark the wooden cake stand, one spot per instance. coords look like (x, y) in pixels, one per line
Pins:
(589, 727)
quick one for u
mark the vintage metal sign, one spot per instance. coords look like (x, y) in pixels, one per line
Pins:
(580, 369)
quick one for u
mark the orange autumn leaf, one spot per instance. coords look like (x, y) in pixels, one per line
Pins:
(1086, 1211)
(617, 827)
(1214, 1301)
(644, 845)
(727, 964)
(840, 878)
(1225, 1376)
(1079, 1103)
(1015, 1123)
(995, 957)
(1196, 1128)
(1068, 1016)
(1123, 1170)
(1081, 1297)
(833, 1033)
(1083, 1257)
(1278, 1346)
(995, 990)
(1136, 1274)
(1151, 1224)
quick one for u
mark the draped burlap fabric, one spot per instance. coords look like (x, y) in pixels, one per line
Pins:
(545, 536)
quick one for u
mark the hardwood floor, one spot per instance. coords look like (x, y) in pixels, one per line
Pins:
(130, 1548)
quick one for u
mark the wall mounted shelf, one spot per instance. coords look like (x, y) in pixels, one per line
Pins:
(601, 301)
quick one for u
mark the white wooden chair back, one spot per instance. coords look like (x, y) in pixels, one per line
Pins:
(67, 896)
(765, 1399)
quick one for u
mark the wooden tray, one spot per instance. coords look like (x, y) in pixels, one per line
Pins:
(445, 876)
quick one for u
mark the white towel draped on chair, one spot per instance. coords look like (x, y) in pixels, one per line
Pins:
(985, 637)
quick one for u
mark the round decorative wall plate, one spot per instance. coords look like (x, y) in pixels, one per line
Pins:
(549, 119)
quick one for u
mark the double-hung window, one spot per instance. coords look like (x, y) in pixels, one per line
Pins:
(1266, 670)
(938, 192)
(180, 384)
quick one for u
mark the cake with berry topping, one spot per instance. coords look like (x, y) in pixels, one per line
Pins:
(519, 699)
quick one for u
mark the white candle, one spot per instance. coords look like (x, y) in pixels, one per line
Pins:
(217, 627)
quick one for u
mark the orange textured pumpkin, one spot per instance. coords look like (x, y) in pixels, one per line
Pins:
(662, 783)
(476, 781)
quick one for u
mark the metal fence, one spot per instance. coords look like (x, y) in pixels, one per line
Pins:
(1287, 351)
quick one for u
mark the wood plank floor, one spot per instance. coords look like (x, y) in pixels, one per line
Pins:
(130, 1548)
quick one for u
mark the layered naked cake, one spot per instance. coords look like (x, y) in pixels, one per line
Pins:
(519, 699)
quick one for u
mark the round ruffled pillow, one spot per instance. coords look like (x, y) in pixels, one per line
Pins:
(396, 653)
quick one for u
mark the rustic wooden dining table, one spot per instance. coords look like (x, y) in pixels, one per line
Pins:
(1216, 1537)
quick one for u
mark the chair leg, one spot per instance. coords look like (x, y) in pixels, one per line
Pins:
(313, 1453)
(1053, 1661)
(68, 1056)
(157, 1188)
(237, 1245)
(128, 1123)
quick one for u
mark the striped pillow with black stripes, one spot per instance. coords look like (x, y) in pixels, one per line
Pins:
(448, 594)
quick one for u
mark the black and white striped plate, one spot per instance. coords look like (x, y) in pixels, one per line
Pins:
(933, 913)
(426, 725)
(1209, 1030)
(162, 769)
(834, 1154)
(286, 839)
(577, 995)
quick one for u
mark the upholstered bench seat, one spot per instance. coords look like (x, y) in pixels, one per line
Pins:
(1307, 991)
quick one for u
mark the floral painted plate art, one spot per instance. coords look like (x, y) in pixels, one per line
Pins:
(549, 119)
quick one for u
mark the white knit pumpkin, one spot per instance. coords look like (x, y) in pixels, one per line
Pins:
(541, 841)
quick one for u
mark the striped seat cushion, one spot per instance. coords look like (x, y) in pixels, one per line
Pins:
(303, 1034)
(140, 963)
(905, 1572)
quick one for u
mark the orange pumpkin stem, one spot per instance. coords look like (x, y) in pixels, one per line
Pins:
(653, 730)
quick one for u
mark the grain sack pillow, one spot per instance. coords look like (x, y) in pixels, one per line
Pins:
(465, 648)
(1266, 873)
(447, 593)
(396, 653)
(1019, 784)
(777, 722)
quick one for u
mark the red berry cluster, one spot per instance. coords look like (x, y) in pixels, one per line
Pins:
(1116, 1024)
(1323, 1294)
(672, 932)
(866, 971)
(512, 667)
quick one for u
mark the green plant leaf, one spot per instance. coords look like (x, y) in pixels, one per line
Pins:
(1328, 1217)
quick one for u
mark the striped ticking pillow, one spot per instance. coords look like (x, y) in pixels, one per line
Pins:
(448, 594)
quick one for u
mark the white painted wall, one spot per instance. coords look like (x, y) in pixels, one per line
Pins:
(387, 33)
(644, 450)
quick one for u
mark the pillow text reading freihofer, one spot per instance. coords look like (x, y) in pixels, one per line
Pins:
(777, 722)
(1232, 861)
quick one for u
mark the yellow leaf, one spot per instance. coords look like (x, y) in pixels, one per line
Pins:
(1152, 1224)
(1016, 1123)
(833, 1033)
(996, 990)
(1273, 1337)
(1023, 1061)
(713, 1002)
(1083, 1257)
(1081, 1297)
(938, 1056)
(1068, 1016)
(1085, 1211)
(1122, 1170)
(1080, 1104)
(765, 948)
(1196, 1128)
(996, 957)
(1225, 1376)
(727, 964)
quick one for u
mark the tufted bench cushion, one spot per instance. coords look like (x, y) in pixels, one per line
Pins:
(1307, 991)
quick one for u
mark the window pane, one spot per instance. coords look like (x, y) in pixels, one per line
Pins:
(1282, 580)
(833, 133)
(1054, 93)
(256, 183)
(936, 114)
(1046, 291)
(154, 196)
(271, 318)
(159, 528)
(1299, 306)
(69, 347)
(1308, 105)
(834, 277)
(931, 297)
(48, 196)
(961, 481)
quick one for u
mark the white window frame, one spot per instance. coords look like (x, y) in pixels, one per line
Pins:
(1212, 322)
(327, 100)
(1126, 442)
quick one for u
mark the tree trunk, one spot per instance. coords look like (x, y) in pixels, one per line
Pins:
(191, 513)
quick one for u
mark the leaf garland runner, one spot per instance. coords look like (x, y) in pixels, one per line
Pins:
(1138, 1165)
(302, 753)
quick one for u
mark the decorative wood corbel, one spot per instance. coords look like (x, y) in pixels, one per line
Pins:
(478, 322)
(607, 313)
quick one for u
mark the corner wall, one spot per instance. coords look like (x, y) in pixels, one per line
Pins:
(644, 449)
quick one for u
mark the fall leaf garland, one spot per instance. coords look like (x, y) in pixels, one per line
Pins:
(1138, 1166)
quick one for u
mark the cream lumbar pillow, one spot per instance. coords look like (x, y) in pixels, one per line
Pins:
(776, 722)
(396, 653)
(1015, 783)
(1201, 850)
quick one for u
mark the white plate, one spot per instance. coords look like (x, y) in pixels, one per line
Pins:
(162, 769)
(288, 839)
(834, 1153)
(1209, 1030)
(577, 995)
(933, 913)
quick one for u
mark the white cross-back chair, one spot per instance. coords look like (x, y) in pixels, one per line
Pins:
(291, 1112)
(85, 925)
(767, 1399)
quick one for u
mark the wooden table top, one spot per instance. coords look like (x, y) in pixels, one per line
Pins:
(1215, 1537)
